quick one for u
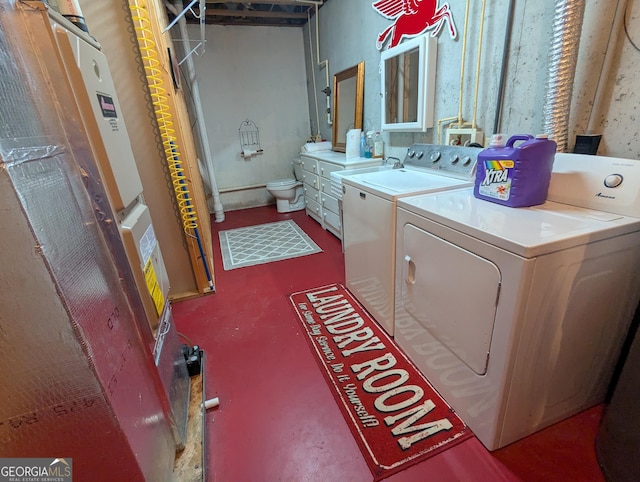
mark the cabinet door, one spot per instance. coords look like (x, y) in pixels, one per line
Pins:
(331, 215)
(309, 164)
(331, 222)
(311, 179)
(325, 185)
(326, 168)
(314, 210)
(329, 203)
(312, 194)
(369, 242)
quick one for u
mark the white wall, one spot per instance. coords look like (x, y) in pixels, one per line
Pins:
(617, 119)
(348, 31)
(255, 73)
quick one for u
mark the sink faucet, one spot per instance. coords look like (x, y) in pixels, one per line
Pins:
(397, 164)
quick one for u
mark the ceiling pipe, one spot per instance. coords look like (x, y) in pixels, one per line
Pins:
(464, 56)
(567, 27)
(313, 78)
(201, 127)
(614, 34)
(324, 63)
(474, 124)
(503, 68)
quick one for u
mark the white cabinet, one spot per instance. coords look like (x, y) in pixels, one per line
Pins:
(309, 164)
(322, 204)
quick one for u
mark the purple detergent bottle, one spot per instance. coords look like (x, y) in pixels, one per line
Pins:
(515, 175)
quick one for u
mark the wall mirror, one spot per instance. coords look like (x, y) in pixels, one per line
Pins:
(408, 74)
(348, 98)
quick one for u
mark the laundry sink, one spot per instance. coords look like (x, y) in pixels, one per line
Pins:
(402, 180)
(336, 176)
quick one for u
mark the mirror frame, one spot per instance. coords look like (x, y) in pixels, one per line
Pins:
(357, 72)
(427, 53)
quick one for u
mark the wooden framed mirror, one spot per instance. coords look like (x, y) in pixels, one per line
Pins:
(348, 100)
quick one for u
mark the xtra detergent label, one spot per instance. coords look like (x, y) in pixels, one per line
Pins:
(497, 180)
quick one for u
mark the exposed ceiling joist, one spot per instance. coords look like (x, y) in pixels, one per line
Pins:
(256, 14)
(264, 2)
(275, 13)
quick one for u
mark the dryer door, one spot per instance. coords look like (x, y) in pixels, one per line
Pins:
(452, 293)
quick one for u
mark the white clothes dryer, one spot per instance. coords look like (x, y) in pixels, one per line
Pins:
(369, 218)
(517, 316)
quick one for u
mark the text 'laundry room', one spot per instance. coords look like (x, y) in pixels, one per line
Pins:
(319, 240)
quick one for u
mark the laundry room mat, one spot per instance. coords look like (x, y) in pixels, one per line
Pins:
(264, 243)
(395, 415)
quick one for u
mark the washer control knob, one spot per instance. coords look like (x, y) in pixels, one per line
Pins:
(466, 160)
(411, 153)
(613, 180)
(435, 156)
(454, 159)
(419, 154)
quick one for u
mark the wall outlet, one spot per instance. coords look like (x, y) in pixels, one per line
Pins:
(463, 136)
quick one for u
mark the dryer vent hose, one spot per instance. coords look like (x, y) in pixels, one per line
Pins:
(567, 26)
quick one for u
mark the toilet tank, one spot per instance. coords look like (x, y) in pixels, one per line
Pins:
(297, 168)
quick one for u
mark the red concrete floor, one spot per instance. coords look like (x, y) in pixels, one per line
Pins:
(277, 419)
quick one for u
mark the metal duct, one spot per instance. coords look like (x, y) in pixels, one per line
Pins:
(567, 26)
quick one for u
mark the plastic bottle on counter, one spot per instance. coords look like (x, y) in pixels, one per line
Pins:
(363, 144)
(368, 151)
(378, 146)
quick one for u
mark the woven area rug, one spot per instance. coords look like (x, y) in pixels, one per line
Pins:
(395, 415)
(264, 243)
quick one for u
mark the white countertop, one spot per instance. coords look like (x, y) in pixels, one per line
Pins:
(341, 158)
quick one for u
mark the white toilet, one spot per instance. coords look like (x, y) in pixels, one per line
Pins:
(289, 193)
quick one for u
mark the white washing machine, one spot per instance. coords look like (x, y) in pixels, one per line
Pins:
(369, 218)
(517, 316)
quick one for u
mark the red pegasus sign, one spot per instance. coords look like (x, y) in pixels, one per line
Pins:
(413, 17)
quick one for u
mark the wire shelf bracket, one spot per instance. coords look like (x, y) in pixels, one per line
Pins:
(201, 15)
(249, 135)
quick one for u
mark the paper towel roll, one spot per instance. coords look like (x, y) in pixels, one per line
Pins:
(353, 143)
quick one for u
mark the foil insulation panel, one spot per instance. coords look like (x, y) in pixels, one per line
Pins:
(172, 367)
(76, 371)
